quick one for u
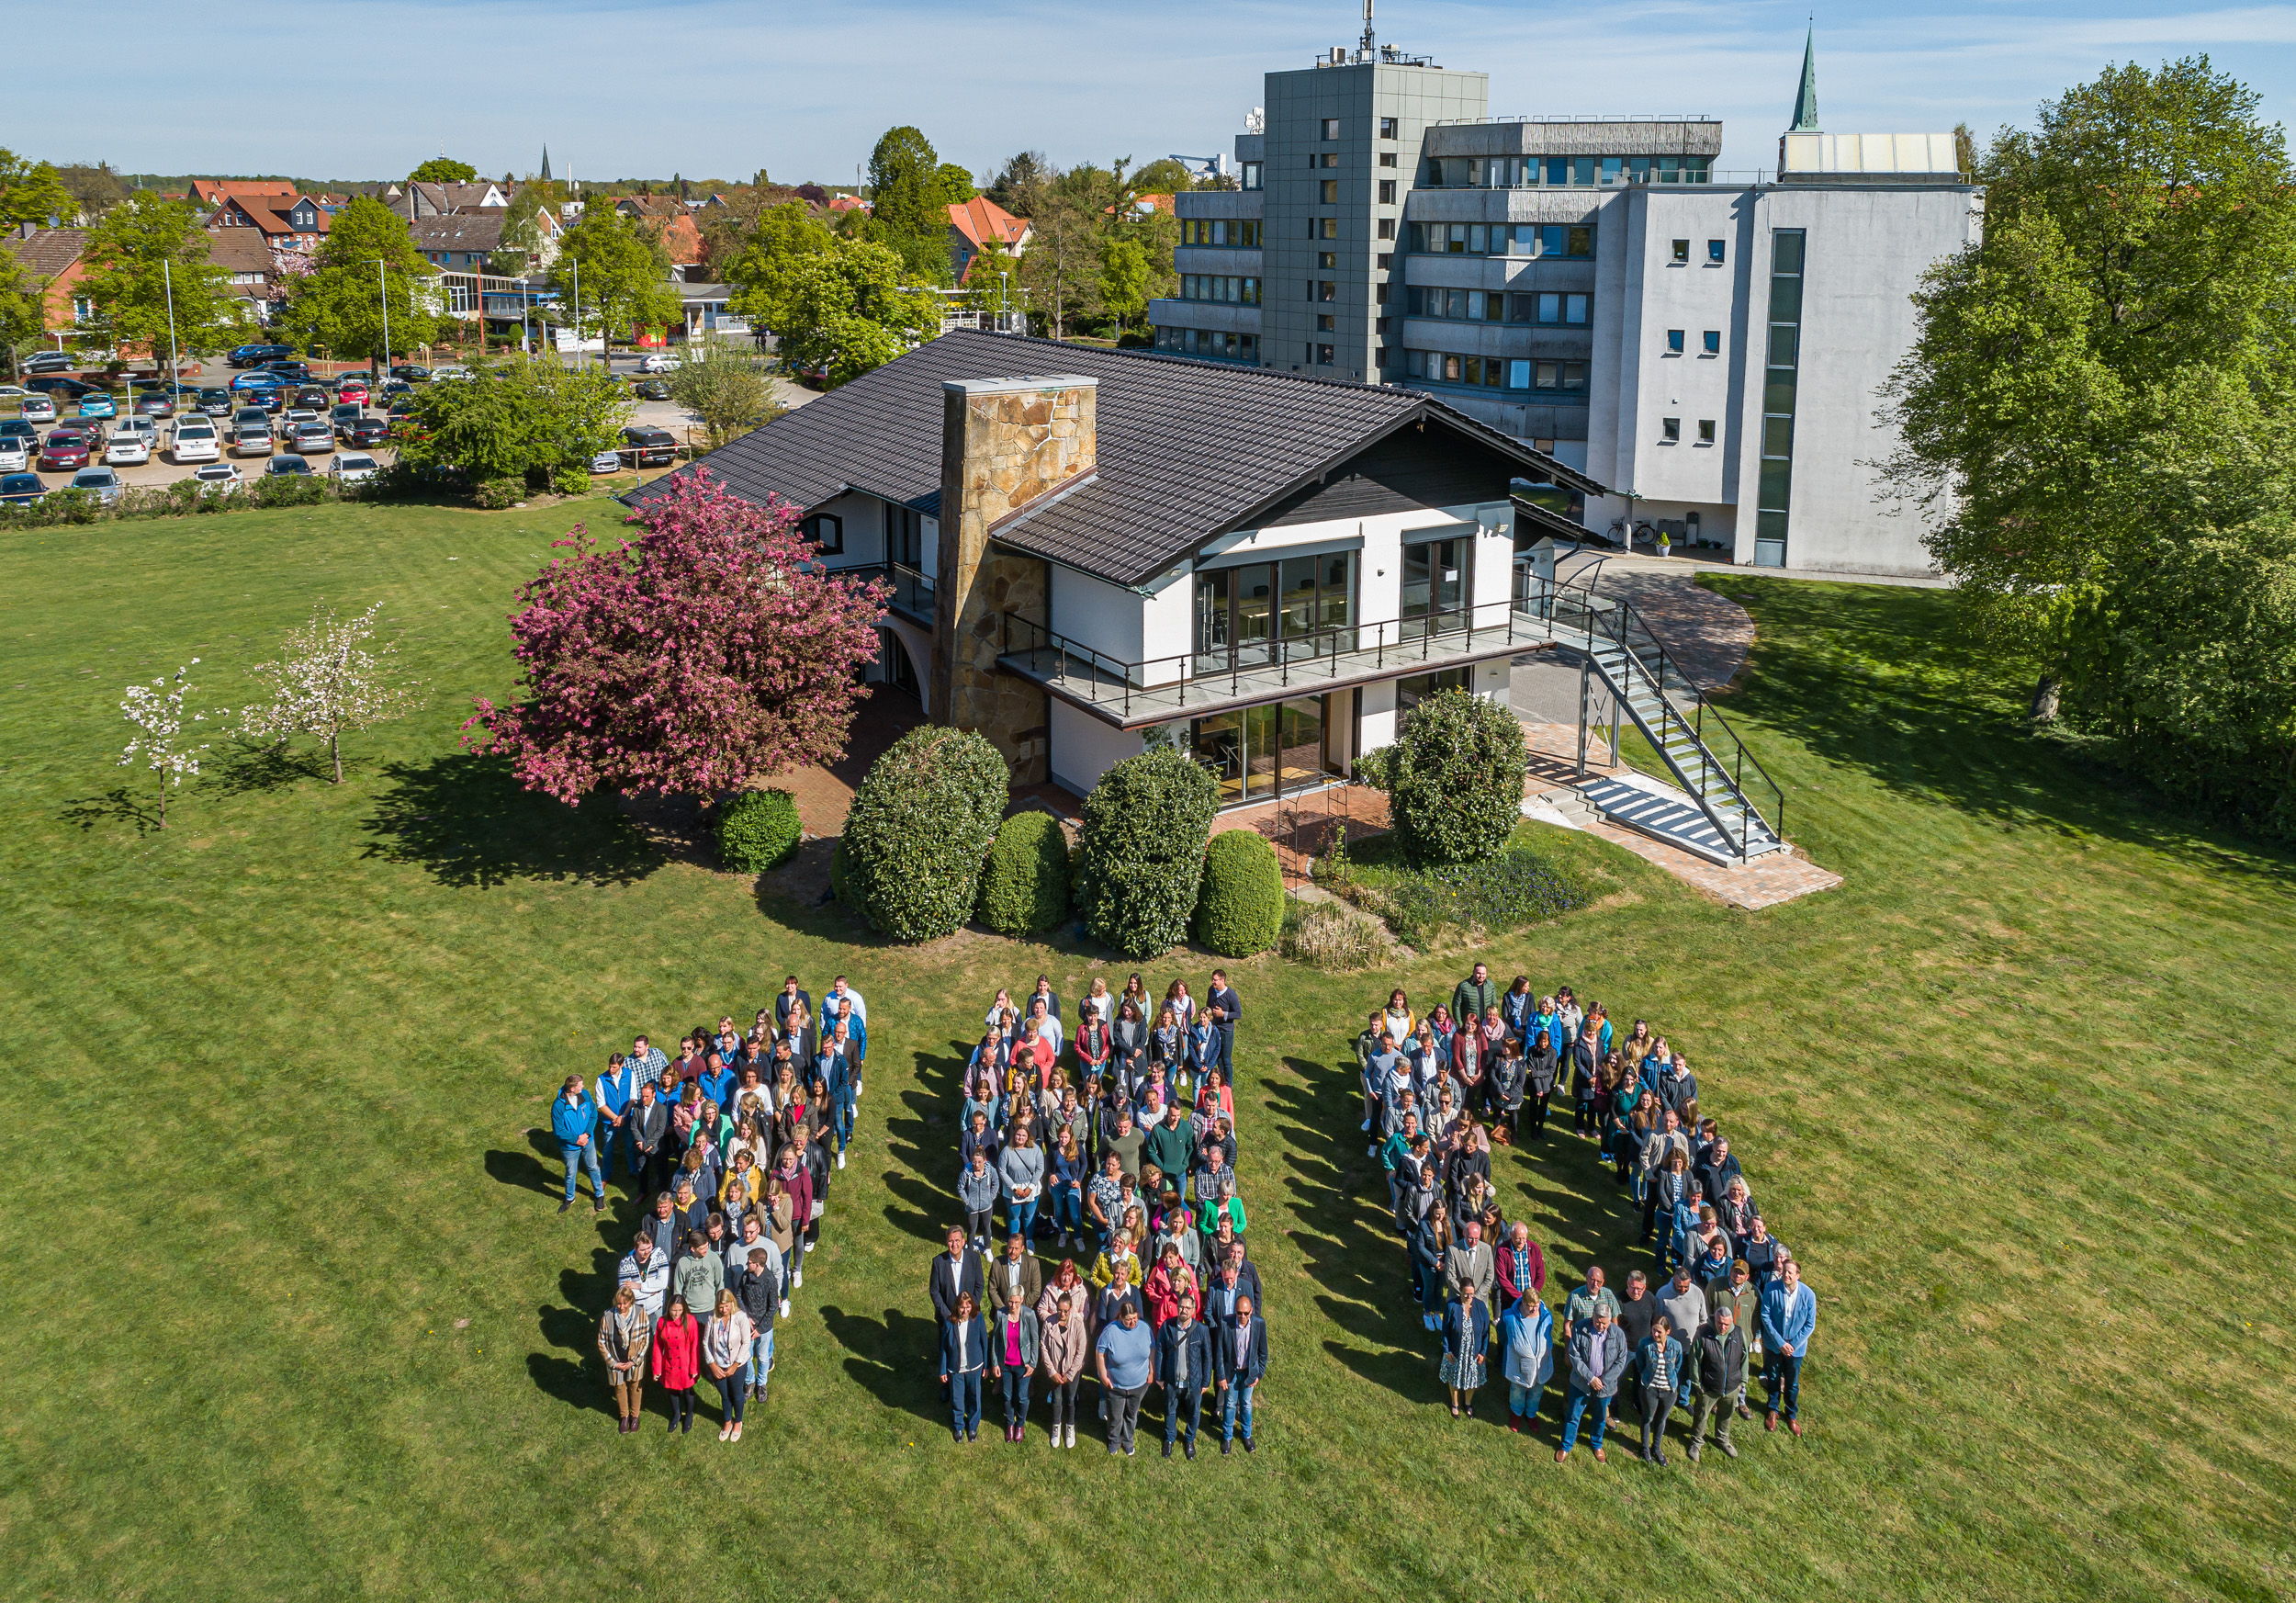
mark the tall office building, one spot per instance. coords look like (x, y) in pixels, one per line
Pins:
(1709, 344)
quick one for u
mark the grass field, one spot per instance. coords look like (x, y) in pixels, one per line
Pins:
(295, 1317)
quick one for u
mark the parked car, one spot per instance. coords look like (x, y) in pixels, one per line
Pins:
(290, 372)
(394, 387)
(96, 404)
(411, 373)
(258, 380)
(251, 439)
(272, 401)
(64, 451)
(194, 440)
(369, 430)
(314, 396)
(346, 412)
(653, 389)
(354, 387)
(219, 478)
(286, 467)
(48, 362)
(254, 415)
(54, 385)
(351, 467)
(216, 402)
(658, 361)
(606, 462)
(312, 439)
(101, 482)
(20, 429)
(157, 404)
(21, 488)
(256, 356)
(441, 375)
(127, 450)
(15, 456)
(293, 415)
(137, 425)
(649, 447)
(38, 409)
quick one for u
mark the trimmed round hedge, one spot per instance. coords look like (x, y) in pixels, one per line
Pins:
(1455, 779)
(1024, 885)
(757, 829)
(1140, 857)
(921, 821)
(1240, 910)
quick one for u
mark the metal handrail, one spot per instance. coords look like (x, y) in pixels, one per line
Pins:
(1634, 636)
(1309, 657)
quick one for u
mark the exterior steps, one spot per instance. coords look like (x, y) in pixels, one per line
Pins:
(1663, 813)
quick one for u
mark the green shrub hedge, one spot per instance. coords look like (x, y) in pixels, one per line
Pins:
(1140, 858)
(494, 494)
(1454, 778)
(1241, 909)
(757, 829)
(922, 820)
(1024, 885)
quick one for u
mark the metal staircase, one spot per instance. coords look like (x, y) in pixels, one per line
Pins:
(1721, 803)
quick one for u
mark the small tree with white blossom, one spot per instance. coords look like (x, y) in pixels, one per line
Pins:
(327, 684)
(157, 712)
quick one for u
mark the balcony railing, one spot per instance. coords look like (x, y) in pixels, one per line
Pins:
(1246, 672)
(913, 592)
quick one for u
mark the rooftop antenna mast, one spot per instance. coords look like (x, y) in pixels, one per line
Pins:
(1369, 41)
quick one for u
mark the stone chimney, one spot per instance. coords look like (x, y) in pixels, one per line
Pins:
(1005, 444)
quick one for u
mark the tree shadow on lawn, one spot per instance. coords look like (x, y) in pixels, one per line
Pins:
(115, 805)
(249, 766)
(1882, 681)
(466, 820)
(895, 1358)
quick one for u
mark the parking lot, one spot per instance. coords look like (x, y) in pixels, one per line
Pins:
(161, 470)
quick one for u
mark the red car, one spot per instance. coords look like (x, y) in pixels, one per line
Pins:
(62, 451)
(353, 389)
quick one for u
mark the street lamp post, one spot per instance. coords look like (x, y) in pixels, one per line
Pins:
(167, 282)
(382, 287)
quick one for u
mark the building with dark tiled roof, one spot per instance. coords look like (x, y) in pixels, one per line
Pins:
(1086, 544)
(51, 257)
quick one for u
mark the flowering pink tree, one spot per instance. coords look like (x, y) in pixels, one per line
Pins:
(707, 652)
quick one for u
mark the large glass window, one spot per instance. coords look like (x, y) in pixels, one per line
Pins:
(1775, 495)
(905, 536)
(1436, 582)
(1257, 753)
(1260, 612)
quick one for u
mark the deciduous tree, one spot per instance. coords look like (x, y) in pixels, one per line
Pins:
(908, 204)
(623, 273)
(845, 311)
(443, 170)
(731, 391)
(326, 684)
(531, 418)
(156, 711)
(31, 192)
(706, 652)
(151, 257)
(338, 306)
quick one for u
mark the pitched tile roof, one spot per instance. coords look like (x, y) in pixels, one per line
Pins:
(981, 220)
(459, 231)
(240, 250)
(49, 251)
(217, 189)
(1187, 449)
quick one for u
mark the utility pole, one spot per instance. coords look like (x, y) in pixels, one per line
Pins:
(382, 287)
(167, 282)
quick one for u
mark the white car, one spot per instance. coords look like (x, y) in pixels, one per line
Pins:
(606, 462)
(658, 361)
(38, 408)
(195, 441)
(295, 414)
(218, 478)
(14, 457)
(127, 449)
(441, 375)
(351, 467)
(145, 427)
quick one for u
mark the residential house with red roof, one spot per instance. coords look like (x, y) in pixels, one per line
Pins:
(973, 224)
(53, 256)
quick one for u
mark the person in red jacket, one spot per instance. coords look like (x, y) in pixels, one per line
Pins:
(1522, 1267)
(677, 1361)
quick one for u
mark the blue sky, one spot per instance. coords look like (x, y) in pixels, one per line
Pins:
(709, 87)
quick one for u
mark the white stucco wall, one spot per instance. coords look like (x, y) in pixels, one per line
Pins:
(1082, 748)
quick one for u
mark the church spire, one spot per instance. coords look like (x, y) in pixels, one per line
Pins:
(1805, 103)
(545, 164)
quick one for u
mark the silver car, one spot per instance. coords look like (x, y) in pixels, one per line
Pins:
(101, 482)
(353, 466)
(250, 439)
(311, 439)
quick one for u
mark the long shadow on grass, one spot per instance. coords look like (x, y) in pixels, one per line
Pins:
(115, 805)
(924, 1141)
(533, 1169)
(1882, 679)
(893, 1358)
(247, 765)
(468, 822)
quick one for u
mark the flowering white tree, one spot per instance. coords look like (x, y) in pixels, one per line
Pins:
(326, 682)
(157, 712)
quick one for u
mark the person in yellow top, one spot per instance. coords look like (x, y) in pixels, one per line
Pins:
(1121, 1251)
(743, 1178)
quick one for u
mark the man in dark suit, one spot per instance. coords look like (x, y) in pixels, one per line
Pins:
(1224, 997)
(1184, 1368)
(648, 1123)
(955, 1272)
(1239, 1358)
(1235, 1279)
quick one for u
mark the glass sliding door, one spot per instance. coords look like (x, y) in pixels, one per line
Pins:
(1260, 612)
(1258, 753)
(1435, 587)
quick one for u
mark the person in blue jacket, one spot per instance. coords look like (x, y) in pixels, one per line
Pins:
(1789, 1318)
(964, 1354)
(1239, 1359)
(617, 1088)
(574, 1120)
(1658, 1369)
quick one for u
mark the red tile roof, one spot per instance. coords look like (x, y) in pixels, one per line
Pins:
(49, 251)
(981, 220)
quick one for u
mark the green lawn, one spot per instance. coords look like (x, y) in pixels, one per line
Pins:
(295, 1316)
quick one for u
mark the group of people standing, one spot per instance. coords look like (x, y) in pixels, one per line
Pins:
(734, 1143)
(1483, 1067)
(1109, 1131)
